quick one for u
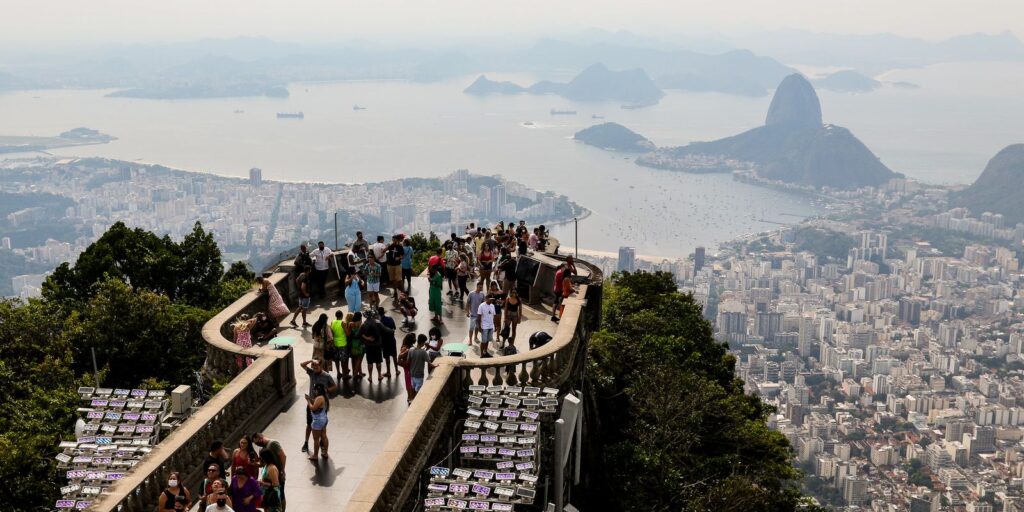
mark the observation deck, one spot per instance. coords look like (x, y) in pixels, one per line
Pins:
(380, 447)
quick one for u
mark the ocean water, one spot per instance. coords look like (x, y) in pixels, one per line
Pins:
(943, 132)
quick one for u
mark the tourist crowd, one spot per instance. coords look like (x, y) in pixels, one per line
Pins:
(478, 268)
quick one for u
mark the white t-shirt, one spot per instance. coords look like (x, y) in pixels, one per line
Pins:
(378, 251)
(215, 508)
(486, 312)
(321, 259)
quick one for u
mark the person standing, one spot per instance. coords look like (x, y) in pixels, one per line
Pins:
(304, 298)
(242, 329)
(506, 269)
(462, 275)
(388, 342)
(568, 288)
(486, 260)
(360, 246)
(316, 375)
(373, 275)
(276, 308)
(436, 304)
(303, 260)
(245, 491)
(245, 455)
(317, 404)
(557, 292)
(356, 349)
(272, 480)
(272, 452)
(353, 294)
(513, 314)
(485, 318)
(322, 257)
(403, 360)
(337, 328)
(378, 249)
(407, 264)
(370, 334)
(174, 489)
(418, 363)
(451, 265)
(323, 342)
(394, 262)
(473, 302)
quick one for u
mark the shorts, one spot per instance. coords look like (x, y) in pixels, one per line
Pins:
(472, 323)
(417, 383)
(304, 302)
(372, 287)
(341, 353)
(486, 335)
(406, 273)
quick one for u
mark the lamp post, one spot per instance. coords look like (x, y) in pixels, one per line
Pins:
(576, 222)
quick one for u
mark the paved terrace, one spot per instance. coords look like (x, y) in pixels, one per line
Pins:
(363, 414)
(377, 448)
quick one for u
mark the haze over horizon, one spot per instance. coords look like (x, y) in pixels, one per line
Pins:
(67, 22)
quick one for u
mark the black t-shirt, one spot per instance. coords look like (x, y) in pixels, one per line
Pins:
(394, 254)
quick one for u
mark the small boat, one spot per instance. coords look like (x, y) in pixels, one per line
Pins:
(595, 116)
(290, 115)
(631, 107)
(528, 123)
(239, 111)
(357, 107)
(556, 112)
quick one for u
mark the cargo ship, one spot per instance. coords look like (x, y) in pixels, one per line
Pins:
(290, 115)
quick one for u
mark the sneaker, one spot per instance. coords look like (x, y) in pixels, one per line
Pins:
(554, 318)
(305, 447)
(294, 324)
(307, 324)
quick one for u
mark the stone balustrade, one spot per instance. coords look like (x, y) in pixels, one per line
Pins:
(254, 396)
(425, 433)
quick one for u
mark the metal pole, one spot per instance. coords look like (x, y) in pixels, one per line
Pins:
(559, 466)
(95, 369)
(335, 231)
(576, 221)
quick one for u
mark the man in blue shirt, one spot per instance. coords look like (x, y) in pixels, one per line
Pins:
(407, 264)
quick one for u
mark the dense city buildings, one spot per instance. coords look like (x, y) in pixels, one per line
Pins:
(251, 218)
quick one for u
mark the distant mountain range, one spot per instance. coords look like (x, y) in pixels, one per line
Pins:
(875, 53)
(595, 83)
(998, 189)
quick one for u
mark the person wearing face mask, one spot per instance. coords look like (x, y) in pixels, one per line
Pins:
(218, 490)
(174, 489)
(245, 491)
(180, 504)
(218, 500)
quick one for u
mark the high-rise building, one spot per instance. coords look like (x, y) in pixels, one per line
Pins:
(255, 177)
(698, 259)
(855, 490)
(498, 201)
(627, 259)
(5, 242)
(768, 325)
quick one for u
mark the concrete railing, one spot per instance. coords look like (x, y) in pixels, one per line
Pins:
(253, 397)
(419, 439)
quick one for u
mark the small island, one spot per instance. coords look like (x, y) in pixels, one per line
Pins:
(614, 137)
(847, 80)
(75, 137)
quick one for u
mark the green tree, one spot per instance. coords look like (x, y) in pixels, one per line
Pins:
(239, 270)
(37, 403)
(423, 248)
(677, 430)
(138, 335)
(187, 272)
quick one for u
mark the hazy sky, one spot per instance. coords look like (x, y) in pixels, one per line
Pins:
(100, 21)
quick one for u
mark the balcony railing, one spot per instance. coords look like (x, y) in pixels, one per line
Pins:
(413, 445)
(252, 398)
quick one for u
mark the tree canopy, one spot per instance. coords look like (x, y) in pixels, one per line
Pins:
(140, 302)
(677, 430)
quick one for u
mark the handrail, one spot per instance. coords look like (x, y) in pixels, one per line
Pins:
(396, 471)
(251, 399)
